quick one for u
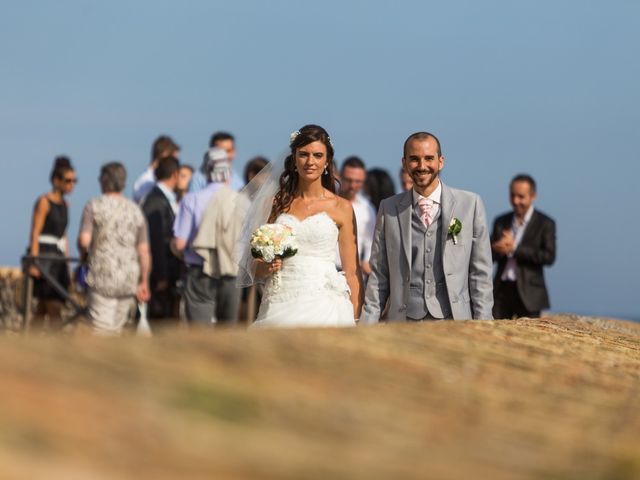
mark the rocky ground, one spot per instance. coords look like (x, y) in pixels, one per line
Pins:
(556, 398)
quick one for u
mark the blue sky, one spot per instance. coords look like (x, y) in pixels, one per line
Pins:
(548, 87)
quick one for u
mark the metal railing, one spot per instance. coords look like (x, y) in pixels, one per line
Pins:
(27, 262)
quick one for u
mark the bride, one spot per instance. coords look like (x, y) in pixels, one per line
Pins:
(305, 290)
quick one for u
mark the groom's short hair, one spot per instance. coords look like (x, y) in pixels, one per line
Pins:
(421, 136)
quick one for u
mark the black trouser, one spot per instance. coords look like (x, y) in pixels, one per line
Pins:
(228, 301)
(507, 303)
(163, 305)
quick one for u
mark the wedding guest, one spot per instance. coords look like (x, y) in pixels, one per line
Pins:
(251, 296)
(422, 265)
(406, 183)
(114, 233)
(160, 207)
(523, 242)
(184, 178)
(227, 142)
(163, 146)
(201, 290)
(352, 178)
(253, 167)
(378, 186)
(49, 238)
(216, 241)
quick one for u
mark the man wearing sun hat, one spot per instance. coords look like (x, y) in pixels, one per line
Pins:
(200, 289)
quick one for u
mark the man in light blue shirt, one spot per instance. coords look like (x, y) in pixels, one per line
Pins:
(200, 289)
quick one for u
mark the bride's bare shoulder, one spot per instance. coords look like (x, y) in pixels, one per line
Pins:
(342, 211)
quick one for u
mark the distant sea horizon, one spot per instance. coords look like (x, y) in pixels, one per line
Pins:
(618, 316)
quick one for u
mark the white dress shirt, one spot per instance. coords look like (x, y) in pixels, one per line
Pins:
(366, 222)
(170, 196)
(365, 214)
(435, 197)
(143, 185)
(509, 273)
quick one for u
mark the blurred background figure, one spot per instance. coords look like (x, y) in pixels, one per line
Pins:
(406, 183)
(184, 178)
(251, 296)
(523, 242)
(378, 186)
(160, 207)
(217, 238)
(163, 146)
(352, 177)
(49, 237)
(201, 289)
(253, 167)
(227, 142)
(113, 232)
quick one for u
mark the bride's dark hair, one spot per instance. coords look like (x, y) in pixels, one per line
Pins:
(289, 178)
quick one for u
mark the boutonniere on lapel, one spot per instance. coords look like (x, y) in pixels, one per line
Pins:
(455, 227)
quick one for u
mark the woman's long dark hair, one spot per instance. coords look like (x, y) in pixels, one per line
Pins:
(289, 178)
(379, 185)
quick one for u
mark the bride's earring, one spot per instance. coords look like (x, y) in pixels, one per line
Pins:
(326, 170)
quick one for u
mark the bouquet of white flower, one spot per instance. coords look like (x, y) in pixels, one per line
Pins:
(273, 240)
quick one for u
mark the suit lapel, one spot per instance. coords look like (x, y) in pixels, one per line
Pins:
(531, 228)
(405, 211)
(447, 207)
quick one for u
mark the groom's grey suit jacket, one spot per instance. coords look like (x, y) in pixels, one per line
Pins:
(466, 267)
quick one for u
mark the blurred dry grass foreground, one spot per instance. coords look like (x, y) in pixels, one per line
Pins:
(555, 398)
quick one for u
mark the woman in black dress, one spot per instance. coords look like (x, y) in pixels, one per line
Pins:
(48, 237)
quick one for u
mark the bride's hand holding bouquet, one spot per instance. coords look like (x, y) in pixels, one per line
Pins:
(272, 242)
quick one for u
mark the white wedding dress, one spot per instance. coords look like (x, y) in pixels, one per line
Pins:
(308, 291)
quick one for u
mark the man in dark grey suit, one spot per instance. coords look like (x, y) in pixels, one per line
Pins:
(431, 257)
(523, 241)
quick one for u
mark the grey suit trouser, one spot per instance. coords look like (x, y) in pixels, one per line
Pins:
(200, 294)
(209, 300)
(426, 318)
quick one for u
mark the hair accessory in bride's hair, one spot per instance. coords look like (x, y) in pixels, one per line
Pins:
(294, 135)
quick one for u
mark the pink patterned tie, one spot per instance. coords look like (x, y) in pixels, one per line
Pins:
(426, 208)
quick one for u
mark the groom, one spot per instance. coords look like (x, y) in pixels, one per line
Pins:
(422, 264)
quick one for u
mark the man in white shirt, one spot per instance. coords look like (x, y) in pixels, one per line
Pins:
(523, 242)
(352, 177)
(160, 208)
(162, 147)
